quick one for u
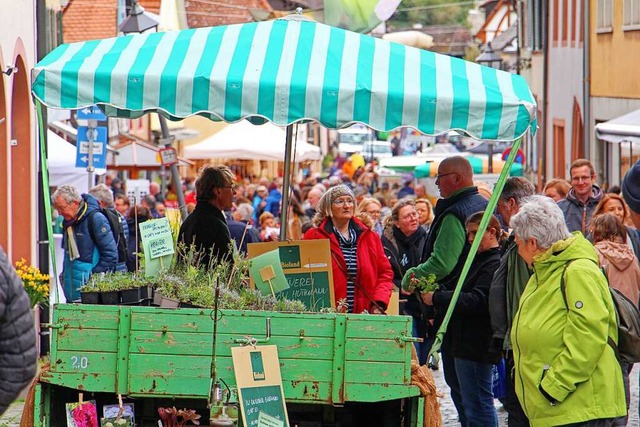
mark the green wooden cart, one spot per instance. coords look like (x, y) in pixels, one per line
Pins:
(163, 357)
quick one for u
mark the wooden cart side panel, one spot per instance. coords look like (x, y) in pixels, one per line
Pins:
(199, 344)
(374, 392)
(237, 323)
(371, 350)
(197, 367)
(190, 375)
(86, 362)
(87, 316)
(377, 327)
(94, 340)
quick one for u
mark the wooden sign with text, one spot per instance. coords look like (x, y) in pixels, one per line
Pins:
(307, 267)
(259, 383)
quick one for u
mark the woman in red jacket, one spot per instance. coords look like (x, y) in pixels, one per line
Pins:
(362, 275)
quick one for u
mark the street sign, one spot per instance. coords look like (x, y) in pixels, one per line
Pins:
(169, 156)
(99, 155)
(91, 113)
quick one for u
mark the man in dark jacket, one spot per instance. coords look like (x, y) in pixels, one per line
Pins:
(447, 245)
(18, 356)
(507, 285)
(87, 251)
(206, 227)
(583, 197)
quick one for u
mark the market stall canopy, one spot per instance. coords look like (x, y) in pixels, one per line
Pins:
(243, 140)
(286, 71)
(480, 165)
(141, 155)
(624, 128)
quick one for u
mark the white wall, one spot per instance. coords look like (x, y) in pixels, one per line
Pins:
(565, 84)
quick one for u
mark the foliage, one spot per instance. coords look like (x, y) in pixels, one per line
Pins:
(423, 284)
(117, 281)
(35, 283)
(188, 283)
(172, 417)
(429, 12)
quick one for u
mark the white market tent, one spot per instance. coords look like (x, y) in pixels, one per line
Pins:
(623, 130)
(244, 140)
(61, 158)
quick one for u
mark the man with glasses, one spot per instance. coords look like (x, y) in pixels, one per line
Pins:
(583, 197)
(447, 247)
(206, 227)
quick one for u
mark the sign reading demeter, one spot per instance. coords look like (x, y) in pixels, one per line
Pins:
(259, 385)
(307, 267)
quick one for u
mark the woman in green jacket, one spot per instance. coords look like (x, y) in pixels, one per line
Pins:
(565, 372)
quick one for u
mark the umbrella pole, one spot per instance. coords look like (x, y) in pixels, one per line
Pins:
(284, 210)
(177, 182)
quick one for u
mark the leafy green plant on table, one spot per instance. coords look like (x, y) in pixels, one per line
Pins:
(187, 283)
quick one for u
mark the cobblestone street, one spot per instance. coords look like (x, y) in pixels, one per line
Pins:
(450, 416)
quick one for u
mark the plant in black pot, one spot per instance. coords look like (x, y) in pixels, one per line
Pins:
(89, 294)
(109, 286)
(137, 290)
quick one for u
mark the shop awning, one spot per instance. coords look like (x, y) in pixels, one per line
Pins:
(625, 128)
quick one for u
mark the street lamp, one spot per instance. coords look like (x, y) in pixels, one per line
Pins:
(140, 21)
(489, 58)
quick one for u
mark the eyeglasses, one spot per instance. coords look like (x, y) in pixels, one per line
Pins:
(232, 187)
(440, 175)
(344, 202)
(410, 215)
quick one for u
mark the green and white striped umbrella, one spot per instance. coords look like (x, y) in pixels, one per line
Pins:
(286, 71)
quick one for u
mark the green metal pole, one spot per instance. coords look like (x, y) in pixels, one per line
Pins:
(493, 201)
(47, 199)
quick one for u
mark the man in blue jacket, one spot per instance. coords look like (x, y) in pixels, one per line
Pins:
(83, 256)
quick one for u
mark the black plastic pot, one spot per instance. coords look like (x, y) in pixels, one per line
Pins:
(90, 297)
(130, 296)
(110, 298)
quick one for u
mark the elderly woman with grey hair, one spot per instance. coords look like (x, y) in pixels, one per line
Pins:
(362, 275)
(566, 372)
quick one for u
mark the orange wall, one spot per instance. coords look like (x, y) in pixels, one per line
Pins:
(614, 58)
(22, 186)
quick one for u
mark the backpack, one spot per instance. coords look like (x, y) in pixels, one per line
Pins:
(628, 318)
(117, 229)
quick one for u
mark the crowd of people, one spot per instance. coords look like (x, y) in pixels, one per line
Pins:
(386, 237)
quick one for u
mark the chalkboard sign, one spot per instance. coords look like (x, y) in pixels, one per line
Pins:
(257, 372)
(307, 267)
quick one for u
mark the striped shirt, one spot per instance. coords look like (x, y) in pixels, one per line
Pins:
(348, 247)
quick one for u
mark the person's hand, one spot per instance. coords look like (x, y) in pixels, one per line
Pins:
(406, 280)
(427, 298)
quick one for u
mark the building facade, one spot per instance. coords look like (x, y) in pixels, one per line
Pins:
(18, 148)
(615, 88)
